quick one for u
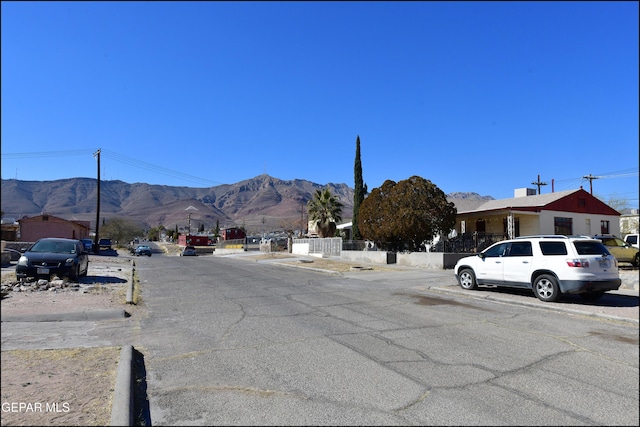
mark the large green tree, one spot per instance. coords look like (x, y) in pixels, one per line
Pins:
(359, 192)
(406, 214)
(121, 230)
(325, 210)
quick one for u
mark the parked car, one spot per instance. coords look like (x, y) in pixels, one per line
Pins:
(104, 243)
(548, 265)
(54, 256)
(620, 249)
(632, 239)
(189, 251)
(143, 250)
(88, 245)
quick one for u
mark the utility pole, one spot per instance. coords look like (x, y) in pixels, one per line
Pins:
(539, 184)
(96, 248)
(590, 178)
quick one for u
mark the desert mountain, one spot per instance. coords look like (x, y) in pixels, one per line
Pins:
(260, 203)
(263, 203)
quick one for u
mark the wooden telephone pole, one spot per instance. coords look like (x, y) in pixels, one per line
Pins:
(539, 184)
(590, 178)
(96, 248)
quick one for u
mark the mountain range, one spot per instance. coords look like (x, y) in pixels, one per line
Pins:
(263, 203)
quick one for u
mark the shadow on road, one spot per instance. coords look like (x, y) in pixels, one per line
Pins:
(607, 300)
(101, 279)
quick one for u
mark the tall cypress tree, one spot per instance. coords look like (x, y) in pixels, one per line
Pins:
(359, 191)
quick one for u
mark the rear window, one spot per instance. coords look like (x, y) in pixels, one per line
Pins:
(632, 240)
(590, 248)
(553, 248)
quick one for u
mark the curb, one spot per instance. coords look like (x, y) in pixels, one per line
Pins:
(122, 407)
(129, 298)
(77, 316)
(546, 306)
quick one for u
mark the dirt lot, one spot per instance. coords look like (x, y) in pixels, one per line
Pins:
(64, 386)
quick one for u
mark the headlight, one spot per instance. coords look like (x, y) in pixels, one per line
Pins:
(23, 261)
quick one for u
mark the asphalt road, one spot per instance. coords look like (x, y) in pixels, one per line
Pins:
(228, 341)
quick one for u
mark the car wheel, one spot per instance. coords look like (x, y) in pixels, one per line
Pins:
(636, 260)
(468, 279)
(592, 295)
(545, 287)
(75, 273)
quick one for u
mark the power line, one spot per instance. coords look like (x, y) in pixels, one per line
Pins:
(116, 157)
(154, 168)
(46, 154)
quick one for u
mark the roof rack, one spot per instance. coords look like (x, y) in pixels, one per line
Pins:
(544, 236)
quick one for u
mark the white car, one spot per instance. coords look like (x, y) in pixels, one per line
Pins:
(632, 239)
(548, 265)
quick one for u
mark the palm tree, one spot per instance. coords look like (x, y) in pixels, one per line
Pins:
(325, 210)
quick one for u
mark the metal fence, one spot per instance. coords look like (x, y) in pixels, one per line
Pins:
(328, 246)
(232, 244)
(465, 243)
(468, 242)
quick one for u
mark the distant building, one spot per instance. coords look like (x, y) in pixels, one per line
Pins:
(10, 229)
(629, 222)
(45, 225)
(232, 233)
(191, 240)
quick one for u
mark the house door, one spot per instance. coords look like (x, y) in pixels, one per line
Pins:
(481, 226)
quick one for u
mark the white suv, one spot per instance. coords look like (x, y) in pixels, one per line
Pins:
(549, 265)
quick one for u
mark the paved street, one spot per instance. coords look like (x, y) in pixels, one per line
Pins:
(238, 342)
(235, 341)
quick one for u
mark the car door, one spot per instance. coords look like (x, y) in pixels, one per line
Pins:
(516, 265)
(490, 269)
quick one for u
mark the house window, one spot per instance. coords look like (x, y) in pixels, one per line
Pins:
(604, 227)
(45, 217)
(582, 202)
(481, 226)
(563, 226)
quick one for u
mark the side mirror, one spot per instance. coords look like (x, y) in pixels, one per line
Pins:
(481, 255)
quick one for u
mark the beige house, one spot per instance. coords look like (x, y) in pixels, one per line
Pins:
(45, 225)
(567, 212)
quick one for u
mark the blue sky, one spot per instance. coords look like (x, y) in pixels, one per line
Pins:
(475, 96)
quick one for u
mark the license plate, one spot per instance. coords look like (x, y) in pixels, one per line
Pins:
(604, 263)
(43, 271)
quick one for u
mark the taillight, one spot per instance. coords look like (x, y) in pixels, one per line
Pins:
(578, 263)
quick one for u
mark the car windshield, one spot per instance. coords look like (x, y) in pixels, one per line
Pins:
(56, 247)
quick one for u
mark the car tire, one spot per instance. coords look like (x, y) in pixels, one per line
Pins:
(546, 288)
(636, 260)
(468, 279)
(75, 273)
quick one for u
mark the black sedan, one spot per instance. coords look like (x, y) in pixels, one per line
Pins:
(54, 256)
